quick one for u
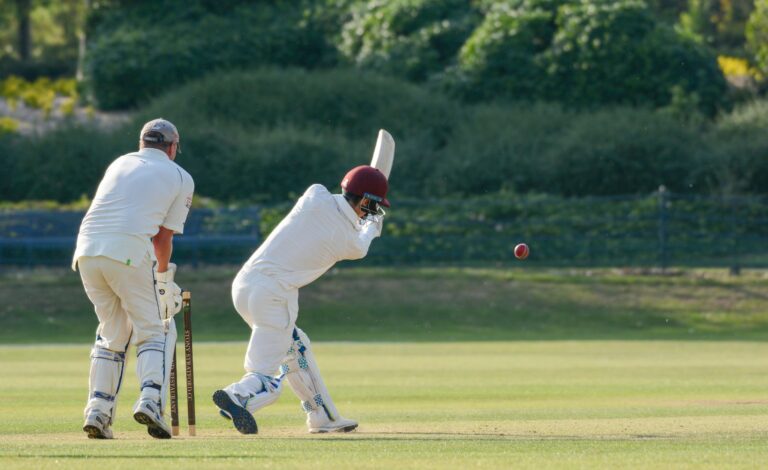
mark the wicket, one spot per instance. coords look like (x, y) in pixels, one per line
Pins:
(186, 308)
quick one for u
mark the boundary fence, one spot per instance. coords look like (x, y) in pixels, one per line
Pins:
(656, 230)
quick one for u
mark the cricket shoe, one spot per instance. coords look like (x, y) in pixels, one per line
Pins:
(231, 407)
(318, 422)
(97, 426)
(147, 412)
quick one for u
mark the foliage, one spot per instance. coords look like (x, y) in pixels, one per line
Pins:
(39, 94)
(719, 24)
(61, 165)
(8, 125)
(505, 54)
(739, 145)
(757, 34)
(55, 28)
(614, 52)
(585, 54)
(127, 66)
(498, 147)
(266, 135)
(618, 149)
(735, 66)
(414, 39)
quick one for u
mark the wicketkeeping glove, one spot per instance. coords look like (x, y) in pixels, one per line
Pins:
(168, 293)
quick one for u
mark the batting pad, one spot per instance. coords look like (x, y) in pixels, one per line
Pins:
(255, 391)
(303, 375)
(104, 382)
(154, 366)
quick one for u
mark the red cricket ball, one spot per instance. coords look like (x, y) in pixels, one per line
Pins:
(521, 251)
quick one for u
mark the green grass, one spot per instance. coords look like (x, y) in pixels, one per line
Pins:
(552, 404)
(434, 304)
(443, 367)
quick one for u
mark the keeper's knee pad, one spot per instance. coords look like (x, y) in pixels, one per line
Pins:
(154, 365)
(106, 376)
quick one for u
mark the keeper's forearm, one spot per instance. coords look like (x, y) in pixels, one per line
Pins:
(163, 243)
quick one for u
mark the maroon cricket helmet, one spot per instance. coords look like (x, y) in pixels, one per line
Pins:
(366, 181)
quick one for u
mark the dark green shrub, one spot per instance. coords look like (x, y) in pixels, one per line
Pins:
(622, 151)
(757, 34)
(128, 65)
(500, 148)
(615, 52)
(63, 165)
(739, 144)
(505, 54)
(266, 135)
(413, 39)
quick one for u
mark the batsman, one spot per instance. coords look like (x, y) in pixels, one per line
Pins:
(320, 230)
(123, 254)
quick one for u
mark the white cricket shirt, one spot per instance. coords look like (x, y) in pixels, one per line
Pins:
(140, 192)
(321, 229)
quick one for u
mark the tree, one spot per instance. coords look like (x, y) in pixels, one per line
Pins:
(23, 8)
(719, 24)
(414, 39)
(757, 34)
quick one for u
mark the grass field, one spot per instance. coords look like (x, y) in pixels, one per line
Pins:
(552, 404)
(433, 304)
(444, 368)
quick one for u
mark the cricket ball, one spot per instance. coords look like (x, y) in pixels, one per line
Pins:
(521, 251)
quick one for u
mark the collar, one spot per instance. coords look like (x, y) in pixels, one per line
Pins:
(347, 211)
(153, 153)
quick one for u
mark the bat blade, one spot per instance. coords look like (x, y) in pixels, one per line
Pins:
(384, 153)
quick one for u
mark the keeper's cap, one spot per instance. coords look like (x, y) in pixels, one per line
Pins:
(159, 131)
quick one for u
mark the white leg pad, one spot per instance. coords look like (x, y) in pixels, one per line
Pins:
(303, 375)
(149, 368)
(255, 391)
(104, 382)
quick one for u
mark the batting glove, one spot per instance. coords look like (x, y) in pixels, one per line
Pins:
(168, 293)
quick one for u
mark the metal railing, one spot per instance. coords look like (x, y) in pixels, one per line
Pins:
(656, 230)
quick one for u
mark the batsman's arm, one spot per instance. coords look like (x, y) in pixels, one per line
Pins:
(174, 221)
(163, 243)
(362, 242)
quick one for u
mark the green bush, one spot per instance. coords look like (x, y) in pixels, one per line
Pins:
(757, 34)
(129, 65)
(500, 148)
(585, 54)
(623, 151)
(615, 52)
(344, 107)
(265, 135)
(414, 39)
(582, 53)
(505, 54)
(739, 144)
(62, 165)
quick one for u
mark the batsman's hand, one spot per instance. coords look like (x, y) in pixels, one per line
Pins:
(168, 293)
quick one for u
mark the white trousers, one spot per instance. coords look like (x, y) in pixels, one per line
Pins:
(125, 301)
(271, 316)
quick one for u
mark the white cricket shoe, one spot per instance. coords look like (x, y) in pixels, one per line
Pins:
(97, 426)
(318, 422)
(147, 412)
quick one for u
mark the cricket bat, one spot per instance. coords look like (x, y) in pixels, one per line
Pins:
(384, 153)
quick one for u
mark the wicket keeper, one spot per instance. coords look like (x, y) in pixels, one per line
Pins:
(123, 254)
